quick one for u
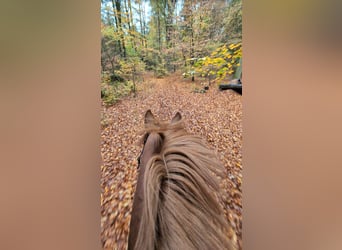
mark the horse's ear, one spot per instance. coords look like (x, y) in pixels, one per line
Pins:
(149, 117)
(176, 118)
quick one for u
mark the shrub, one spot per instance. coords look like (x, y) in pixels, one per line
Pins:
(111, 92)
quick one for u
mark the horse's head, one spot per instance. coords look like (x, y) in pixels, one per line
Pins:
(174, 204)
(153, 139)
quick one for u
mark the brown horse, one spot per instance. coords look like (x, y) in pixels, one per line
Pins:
(175, 204)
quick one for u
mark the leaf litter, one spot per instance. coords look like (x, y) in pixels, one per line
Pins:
(215, 116)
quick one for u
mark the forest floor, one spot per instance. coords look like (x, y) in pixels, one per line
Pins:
(215, 116)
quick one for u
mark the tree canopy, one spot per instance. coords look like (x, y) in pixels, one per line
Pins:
(201, 37)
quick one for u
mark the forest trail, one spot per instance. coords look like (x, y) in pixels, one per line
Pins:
(215, 116)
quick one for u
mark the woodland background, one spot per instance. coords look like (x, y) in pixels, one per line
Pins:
(198, 38)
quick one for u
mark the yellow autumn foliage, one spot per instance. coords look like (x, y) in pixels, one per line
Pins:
(222, 61)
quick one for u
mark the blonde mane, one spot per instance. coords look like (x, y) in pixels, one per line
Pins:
(181, 208)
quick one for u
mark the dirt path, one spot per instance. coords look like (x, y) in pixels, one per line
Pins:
(214, 115)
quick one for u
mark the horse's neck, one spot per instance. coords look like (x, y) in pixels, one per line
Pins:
(139, 191)
(137, 209)
(152, 146)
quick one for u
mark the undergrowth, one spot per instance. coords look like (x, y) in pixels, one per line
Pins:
(111, 92)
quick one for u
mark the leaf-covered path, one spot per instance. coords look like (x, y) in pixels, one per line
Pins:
(216, 116)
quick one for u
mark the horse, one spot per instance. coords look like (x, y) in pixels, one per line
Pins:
(175, 204)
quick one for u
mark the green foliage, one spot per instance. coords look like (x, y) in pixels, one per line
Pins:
(221, 63)
(131, 67)
(108, 32)
(189, 73)
(233, 21)
(111, 92)
(169, 37)
(109, 48)
(108, 94)
(105, 120)
(200, 91)
(155, 62)
(159, 71)
(152, 58)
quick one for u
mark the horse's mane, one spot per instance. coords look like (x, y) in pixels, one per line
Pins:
(181, 210)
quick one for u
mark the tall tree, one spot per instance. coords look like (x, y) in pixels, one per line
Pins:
(169, 26)
(166, 34)
(158, 17)
(118, 18)
(142, 22)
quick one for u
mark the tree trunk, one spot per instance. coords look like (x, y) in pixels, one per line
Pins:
(133, 77)
(132, 25)
(159, 33)
(141, 24)
(119, 24)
